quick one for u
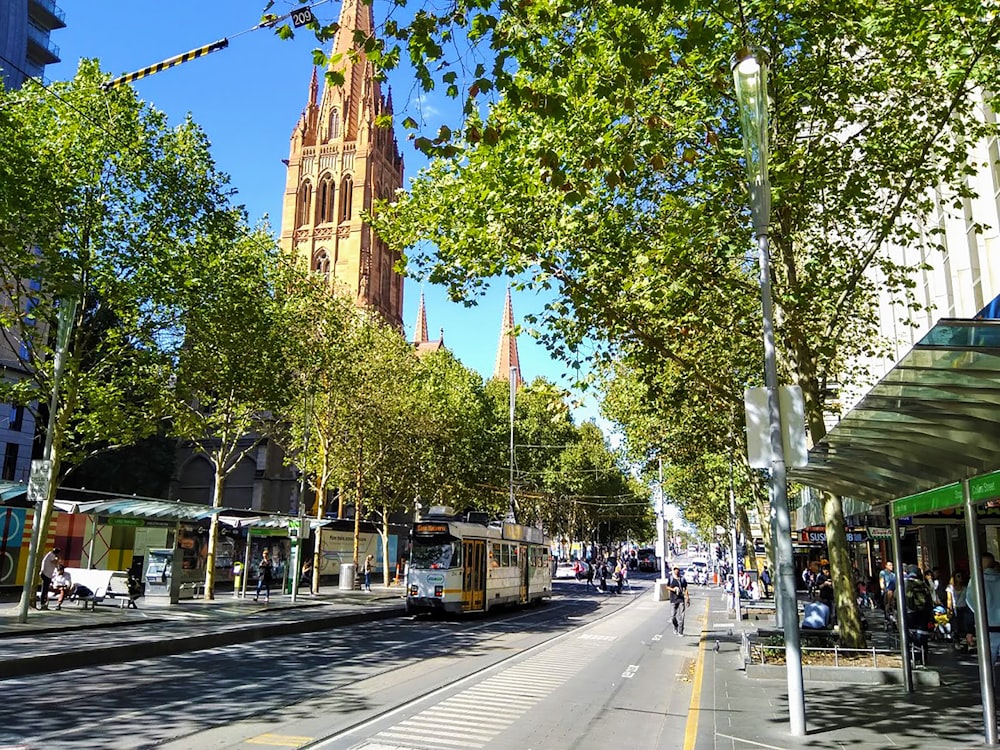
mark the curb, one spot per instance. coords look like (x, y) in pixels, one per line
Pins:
(41, 664)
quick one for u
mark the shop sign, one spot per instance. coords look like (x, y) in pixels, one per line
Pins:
(809, 536)
(876, 532)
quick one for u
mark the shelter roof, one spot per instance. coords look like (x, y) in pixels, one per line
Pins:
(934, 419)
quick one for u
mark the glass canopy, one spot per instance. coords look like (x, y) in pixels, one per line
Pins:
(932, 420)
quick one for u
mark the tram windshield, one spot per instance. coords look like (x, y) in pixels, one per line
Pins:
(436, 555)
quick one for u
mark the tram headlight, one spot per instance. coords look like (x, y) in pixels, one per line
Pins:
(439, 591)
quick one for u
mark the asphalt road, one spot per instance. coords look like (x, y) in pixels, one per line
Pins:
(581, 671)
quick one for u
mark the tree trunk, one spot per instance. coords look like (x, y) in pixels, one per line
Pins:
(318, 542)
(385, 547)
(357, 515)
(213, 532)
(848, 617)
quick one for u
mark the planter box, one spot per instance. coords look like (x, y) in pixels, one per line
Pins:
(849, 675)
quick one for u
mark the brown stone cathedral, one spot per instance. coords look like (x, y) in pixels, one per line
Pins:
(339, 163)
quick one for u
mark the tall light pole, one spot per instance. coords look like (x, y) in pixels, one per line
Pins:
(750, 76)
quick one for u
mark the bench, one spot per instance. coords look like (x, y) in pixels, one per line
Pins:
(103, 584)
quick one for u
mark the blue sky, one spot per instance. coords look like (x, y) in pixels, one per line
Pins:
(248, 98)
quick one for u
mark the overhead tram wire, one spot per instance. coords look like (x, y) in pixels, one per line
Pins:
(207, 49)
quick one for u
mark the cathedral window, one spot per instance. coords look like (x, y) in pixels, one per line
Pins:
(325, 198)
(346, 194)
(321, 263)
(303, 205)
(333, 130)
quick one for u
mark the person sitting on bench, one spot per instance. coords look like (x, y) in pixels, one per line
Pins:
(62, 585)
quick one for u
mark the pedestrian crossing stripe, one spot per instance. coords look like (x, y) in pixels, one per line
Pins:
(454, 724)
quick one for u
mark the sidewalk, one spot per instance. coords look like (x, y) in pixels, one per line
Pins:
(109, 634)
(741, 713)
(733, 711)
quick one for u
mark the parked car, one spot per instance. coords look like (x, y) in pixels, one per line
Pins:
(647, 560)
(565, 570)
(697, 571)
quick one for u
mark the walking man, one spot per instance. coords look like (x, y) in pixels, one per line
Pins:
(887, 585)
(679, 600)
(49, 563)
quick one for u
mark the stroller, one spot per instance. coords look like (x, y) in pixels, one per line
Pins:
(942, 624)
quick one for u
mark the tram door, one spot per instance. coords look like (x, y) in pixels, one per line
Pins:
(473, 575)
(524, 570)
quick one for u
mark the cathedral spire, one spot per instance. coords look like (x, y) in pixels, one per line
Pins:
(313, 89)
(507, 350)
(420, 330)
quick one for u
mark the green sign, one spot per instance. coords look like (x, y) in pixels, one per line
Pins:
(294, 527)
(985, 487)
(256, 531)
(119, 521)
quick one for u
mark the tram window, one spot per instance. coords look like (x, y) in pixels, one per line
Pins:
(497, 555)
(444, 555)
(513, 555)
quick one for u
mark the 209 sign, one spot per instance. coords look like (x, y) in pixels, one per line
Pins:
(302, 16)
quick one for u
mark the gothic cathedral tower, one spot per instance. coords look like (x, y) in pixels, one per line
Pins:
(339, 163)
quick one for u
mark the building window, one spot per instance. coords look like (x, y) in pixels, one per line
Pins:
(334, 128)
(10, 461)
(322, 263)
(16, 417)
(325, 198)
(346, 193)
(303, 205)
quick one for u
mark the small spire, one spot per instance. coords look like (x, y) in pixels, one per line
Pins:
(507, 358)
(313, 88)
(388, 100)
(420, 329)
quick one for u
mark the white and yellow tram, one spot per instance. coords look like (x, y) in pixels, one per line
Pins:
(461, 566)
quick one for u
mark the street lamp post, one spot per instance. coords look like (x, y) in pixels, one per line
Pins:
(750, 76)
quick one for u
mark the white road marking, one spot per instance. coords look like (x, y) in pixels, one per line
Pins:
(629, 673)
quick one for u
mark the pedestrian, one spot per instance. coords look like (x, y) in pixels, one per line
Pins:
(590, 575)
(765, 582)
(679, 600)
(991, 587)
(62, 584)
(887, 585)
(602, 575)
(958, 607)
(369, 566)
(49, 563)
(617, 579)
(306, 577)
(265, 574)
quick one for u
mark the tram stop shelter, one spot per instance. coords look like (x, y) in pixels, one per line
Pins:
(926, 439)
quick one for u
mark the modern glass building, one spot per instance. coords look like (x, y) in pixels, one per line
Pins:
(25, 46)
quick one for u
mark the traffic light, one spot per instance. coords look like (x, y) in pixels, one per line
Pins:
(718, 551)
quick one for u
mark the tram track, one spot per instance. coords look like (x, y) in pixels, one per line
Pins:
(474, 674)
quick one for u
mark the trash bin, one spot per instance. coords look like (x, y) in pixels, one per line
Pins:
(348, 573)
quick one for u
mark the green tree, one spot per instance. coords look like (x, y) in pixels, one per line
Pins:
(102, 206)
(608, 170)
(227, 386)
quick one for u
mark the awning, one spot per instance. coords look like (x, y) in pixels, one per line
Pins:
(269, 522)
(934, 419)
(130, 507)
(12, 492)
